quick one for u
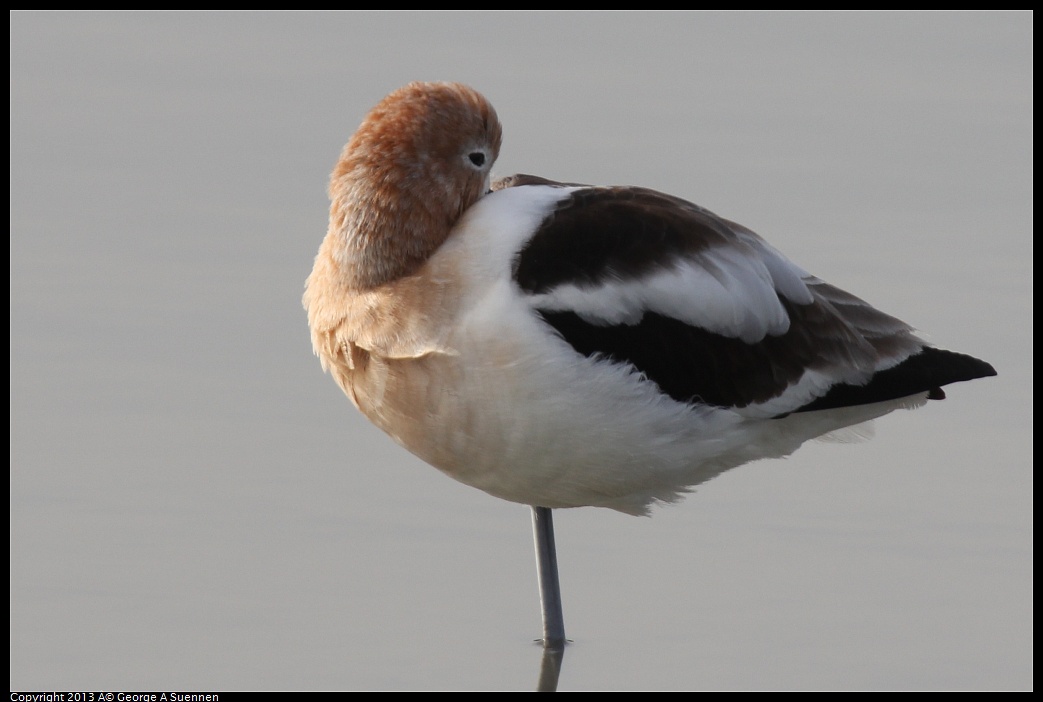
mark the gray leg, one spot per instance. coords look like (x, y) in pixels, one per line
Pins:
(547, 571)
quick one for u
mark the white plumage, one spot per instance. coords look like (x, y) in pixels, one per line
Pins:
(561, 345)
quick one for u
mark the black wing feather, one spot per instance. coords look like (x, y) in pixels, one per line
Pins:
(602, 235)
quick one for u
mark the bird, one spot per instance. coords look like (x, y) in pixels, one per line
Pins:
(563, 345)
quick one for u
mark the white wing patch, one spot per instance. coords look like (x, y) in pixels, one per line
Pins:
(733, 291)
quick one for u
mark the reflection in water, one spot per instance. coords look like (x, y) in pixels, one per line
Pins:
(550, 669)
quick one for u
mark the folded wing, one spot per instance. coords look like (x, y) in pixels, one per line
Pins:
(711, 313)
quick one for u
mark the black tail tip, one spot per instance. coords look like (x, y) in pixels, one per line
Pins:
(926, 371)
(951, 367)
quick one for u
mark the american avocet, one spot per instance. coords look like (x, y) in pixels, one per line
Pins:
(564, 345)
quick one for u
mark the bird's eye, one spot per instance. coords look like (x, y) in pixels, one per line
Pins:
(477, 158)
